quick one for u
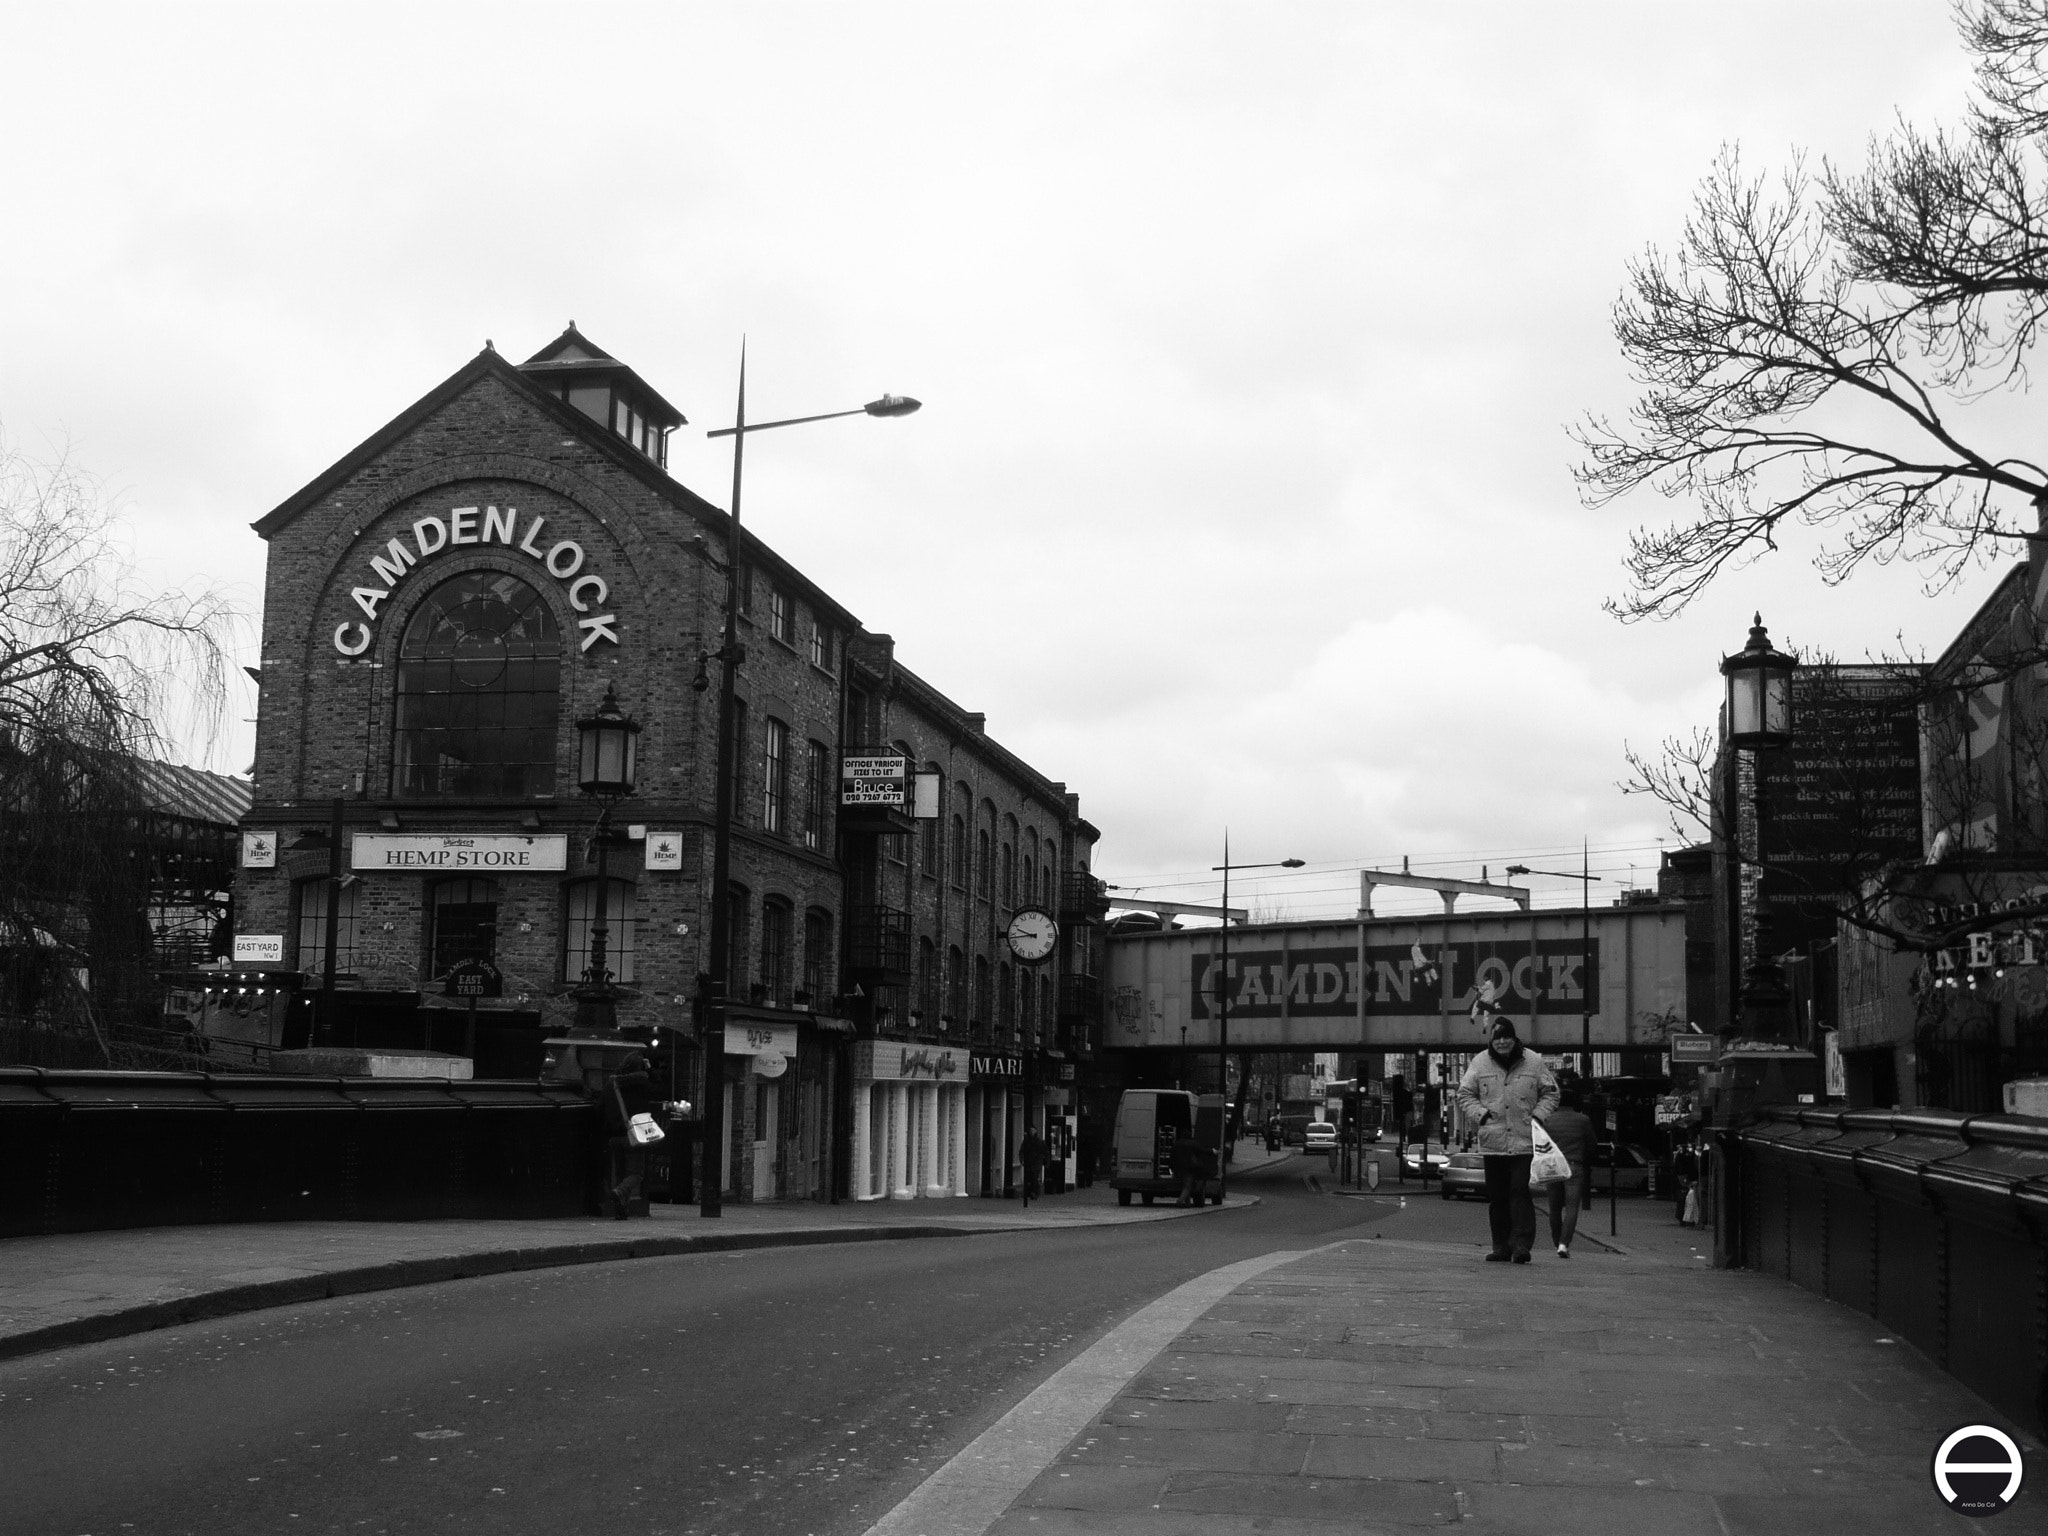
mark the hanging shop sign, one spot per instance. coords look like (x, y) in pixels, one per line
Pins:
(473, 978)
(502, 852)
(259, 850)
(874, 780)
(563, 560)
(891, 1061)
(664, 850)
(760, 1039)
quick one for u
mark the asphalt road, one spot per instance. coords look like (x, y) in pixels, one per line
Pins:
(801, 1390)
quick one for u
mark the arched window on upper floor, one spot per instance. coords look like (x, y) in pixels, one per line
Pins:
(479, 677)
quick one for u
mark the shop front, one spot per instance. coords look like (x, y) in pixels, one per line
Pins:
(781, 1074)
(910, 1121)
(995, 1110)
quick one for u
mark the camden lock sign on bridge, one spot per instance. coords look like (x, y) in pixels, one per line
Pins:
(1403, 983)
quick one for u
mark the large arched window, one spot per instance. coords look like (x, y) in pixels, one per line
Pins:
(479, 670)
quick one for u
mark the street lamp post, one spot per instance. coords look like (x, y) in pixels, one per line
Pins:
(730, 655)
(1758, 718)
(607, 761)
(1223, 1009)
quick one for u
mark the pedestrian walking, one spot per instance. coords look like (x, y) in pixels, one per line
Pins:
(1573, 1132)
(1182, 1161)
(1032, 1150)
(1504, 1090)
(1404, 1106)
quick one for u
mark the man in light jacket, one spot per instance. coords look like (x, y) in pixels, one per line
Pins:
(1502, 1093)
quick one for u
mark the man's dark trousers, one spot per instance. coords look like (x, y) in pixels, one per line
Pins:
(1510, 1208)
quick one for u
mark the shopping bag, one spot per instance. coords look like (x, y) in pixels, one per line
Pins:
(643, 1132)
(1691, 1212)
(1550, 1165)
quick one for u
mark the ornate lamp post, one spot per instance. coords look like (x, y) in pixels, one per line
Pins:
(1758, 719)
(1223, 990)
(730, 655)
(607, 760)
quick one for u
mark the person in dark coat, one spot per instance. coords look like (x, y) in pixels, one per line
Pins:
(1182, 1162)
(1032, 1150)
(1573, 1133)
(1502, 1093)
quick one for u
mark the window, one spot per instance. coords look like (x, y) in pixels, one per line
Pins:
(778, 614)
(984, 1001)
(747, 590)
(1005, 998)
(479, 669)
(817, 956)
(738, 945)
(462, 923)
(313, 927)
(619, 923)
(775, 952)
(956, 984)
(928, 837)
(855, 732)
(895, 847)
(927, 979)
(817, 776)
(775, 788)
(1030, 879)
(1051, 901)
(1024, 998)
(821, 646)
(739, 762)
(959, 852)
(1009, 885)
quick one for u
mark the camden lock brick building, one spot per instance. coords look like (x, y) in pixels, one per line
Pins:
(442, 605)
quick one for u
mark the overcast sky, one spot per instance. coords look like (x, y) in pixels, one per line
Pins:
(1247, 334)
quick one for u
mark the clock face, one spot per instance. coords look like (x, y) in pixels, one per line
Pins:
(1033, 934)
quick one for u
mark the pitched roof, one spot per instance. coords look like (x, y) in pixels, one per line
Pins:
(574, 353)
(192, 793)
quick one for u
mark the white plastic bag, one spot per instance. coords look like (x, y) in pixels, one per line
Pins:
(1550, 1165)
(643, 1132)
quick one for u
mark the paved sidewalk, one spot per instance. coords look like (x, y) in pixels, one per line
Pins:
(1385, 1386)
(77, 1287)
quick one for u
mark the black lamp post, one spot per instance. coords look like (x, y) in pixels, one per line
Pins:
(607, 759)
(1757, 718)
(730, 655)
(1223, 1008)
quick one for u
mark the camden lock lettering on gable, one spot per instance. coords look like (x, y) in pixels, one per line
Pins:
(1553, 974)
(477, 526)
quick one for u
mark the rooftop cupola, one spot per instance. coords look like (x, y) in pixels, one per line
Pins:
(575, 369)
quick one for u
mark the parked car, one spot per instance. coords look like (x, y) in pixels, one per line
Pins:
(1320, 1137)
(1464, 1174)
(1632, 1177)
(1424, 1159)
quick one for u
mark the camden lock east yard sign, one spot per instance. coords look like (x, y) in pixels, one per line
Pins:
(393, 853)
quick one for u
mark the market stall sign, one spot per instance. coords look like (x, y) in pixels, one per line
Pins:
(434, 852)
(754, 1039)
(1696, 1049)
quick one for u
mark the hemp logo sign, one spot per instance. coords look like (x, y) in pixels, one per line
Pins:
(1977, 1470)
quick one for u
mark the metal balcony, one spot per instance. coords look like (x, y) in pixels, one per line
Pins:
(1083, 898)
(878, 945)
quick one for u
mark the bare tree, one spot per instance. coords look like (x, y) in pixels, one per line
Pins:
(1806, 350)
(94, 670)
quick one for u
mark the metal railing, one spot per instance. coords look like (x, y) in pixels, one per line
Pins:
(1934, 1222)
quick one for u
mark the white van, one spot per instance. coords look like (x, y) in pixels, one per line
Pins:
(1147, 1122)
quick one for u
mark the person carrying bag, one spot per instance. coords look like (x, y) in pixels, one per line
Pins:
(1504, 1093)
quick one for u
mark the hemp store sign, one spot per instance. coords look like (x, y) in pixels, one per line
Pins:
(479, 526)
(393, 852)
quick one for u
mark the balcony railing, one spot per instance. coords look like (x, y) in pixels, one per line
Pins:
(878, 943)
(1083, 898)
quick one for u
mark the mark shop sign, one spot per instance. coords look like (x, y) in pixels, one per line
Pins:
(479, 525)
(1002, 1065)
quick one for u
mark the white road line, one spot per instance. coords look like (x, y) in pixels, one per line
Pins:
(969, 1493)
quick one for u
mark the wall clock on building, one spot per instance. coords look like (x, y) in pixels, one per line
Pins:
(1032, 934)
